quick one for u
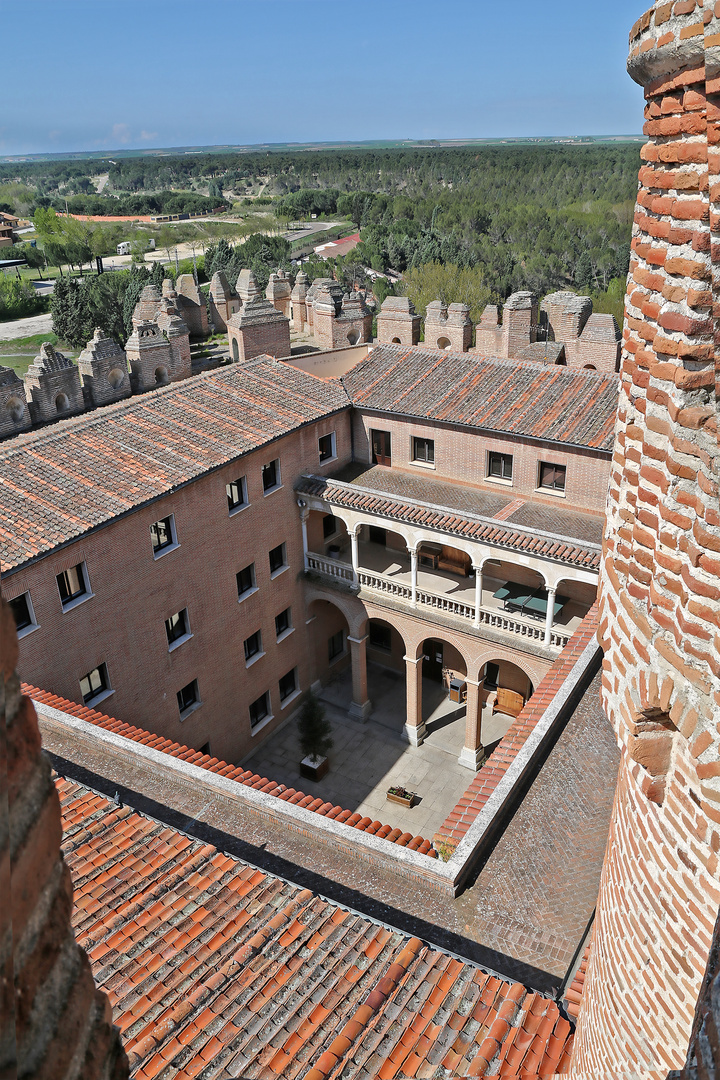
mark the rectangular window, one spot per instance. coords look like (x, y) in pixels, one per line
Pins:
(330, 526)
(277, 559)
(283, 622)
(380, 444)
(188, 697)
(326, 447)
(246, 580)
(237, 494)
(288, 684)
(177, 628)
(23, 614)
(271, 476)
(94, 684)
(259, 709)
(72, 585)
(423, 450)
(336, 645)
(162, 534)
(552, 476)
(380, 636)
(500, 466)
(253, 645)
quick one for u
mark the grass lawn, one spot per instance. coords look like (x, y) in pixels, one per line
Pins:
(20, 352)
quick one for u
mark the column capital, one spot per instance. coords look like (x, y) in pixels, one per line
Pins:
(357, 640)
(412, 660)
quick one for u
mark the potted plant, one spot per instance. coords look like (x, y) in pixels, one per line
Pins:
(315, 739)
(399, 795)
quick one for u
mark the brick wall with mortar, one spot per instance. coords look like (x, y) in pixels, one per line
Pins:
(660, 586)
(462, 456)
(258, 329)
(133, 590)
(53, 1021)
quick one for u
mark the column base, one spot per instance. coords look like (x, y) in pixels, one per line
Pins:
(472, 759)
(316, 688)
(415, 735)
(360, 712)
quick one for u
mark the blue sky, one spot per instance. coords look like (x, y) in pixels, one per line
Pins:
(108, 74)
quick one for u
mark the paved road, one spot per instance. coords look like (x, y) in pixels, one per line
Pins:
(19, 328)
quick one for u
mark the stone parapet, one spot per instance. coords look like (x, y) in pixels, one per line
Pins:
(52, 386)
(14, 412)
(397, 322)
(104, 370)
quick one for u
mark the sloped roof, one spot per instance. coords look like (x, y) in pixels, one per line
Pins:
(520, 398)
(216, 968)
(58, 482)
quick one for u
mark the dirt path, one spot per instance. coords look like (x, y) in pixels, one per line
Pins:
(19, 328)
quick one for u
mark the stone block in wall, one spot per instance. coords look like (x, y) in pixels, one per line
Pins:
(103, 367)
(14, 412)
(52, 386)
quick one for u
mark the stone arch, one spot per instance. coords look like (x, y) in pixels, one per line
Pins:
(589, 367)
(352, 608)
(353, 337)
(15, 406)
(396, 341)
(387, 649)
(62, 403)
(162, 377)
(329, 630)
(116, 378)
(444, 343)
(500, 672)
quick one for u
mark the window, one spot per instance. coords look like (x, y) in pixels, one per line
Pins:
(283, 623)
(23, 614)
(380, 636)
(288, 684)
(162, 534)
(326, 447)
(188, 698)
(237, 494)
(271, 476)
(380, 444)
(253, 647)
(336, 645)
(277, 560)
(259, 710)
(423, 450)
(246, 581)
(95, 685)
(552, 476)
(73, 586)
(500, 466)
(177, 628)
(330, 526)
(492, 674)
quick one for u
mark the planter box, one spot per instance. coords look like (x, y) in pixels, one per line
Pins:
(402, 800)
(314, 768)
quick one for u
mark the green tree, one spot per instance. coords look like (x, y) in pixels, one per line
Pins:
(314, 731)
(449, 283)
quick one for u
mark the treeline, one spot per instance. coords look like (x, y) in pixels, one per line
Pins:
(261, 254)
(105, 300)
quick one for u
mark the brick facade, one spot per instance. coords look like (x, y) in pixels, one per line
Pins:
(397, 322)
(258, 329)
(14, 412)
(660, 600)
(448, 327)
(52, 386)
(103, 367)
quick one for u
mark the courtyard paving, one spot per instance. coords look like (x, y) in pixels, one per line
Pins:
(368, 758)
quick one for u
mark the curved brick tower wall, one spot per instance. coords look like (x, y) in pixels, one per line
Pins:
(660, 588)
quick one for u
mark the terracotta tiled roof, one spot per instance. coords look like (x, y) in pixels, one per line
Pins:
(60, 481)
(215, 968)
(487, 779)
(234, 772)
(521, 398)
(574, 993)
(470, 526)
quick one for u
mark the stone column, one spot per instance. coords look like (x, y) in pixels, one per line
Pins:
(549, 616)
(472, 755)
(354, 550)
(413, 575)
(304, 513)
(414, 730)
(478, 594)
(361, 707)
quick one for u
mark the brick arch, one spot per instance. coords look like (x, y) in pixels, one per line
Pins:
(353, 610)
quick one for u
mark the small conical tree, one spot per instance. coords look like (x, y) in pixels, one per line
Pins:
(314, 730)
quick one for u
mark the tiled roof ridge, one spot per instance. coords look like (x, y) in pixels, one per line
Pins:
(574, 993)
(489, 776)
(94, 417)
(246, 777)
(509, 535)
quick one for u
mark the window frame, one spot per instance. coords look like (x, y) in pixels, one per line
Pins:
(333, 657)
(253, 657)
(266, 717)
(172, 543)
(332, 456)
(502, 479)
(235, 508)
(278, 477)
(416, 458)
(547, 488)
(75, 599)
(286, 698)
(33, 624)
(375, 644)
(283, 566)
(335, 528)
(252, 588)
(191, 706)
(175, 643)
(104, 691)
(287, 630)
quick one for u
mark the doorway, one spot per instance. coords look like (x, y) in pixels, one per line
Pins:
(381, 447)
(433, 660)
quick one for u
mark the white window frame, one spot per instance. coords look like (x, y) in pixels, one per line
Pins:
(417, 462)
(278, 477)
(500, 479)
(256, 656)
(33, 624)
(294, 693)
(253, 588)
(173, 546)
(289, 629)
(281, 569)
(333, 442)
(172, 646)
(556, 493)
(101, 695)
(232, 511)
(68, 605)
(184, 713)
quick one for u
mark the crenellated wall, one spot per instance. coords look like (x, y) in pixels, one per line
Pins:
(660, 586)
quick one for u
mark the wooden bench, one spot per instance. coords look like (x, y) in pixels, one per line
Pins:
(455, 562)
(508, 701)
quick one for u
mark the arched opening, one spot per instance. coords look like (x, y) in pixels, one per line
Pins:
(504, 691)
(328, 536)
(161, 376)
(444, 693)
(589, 367)
(235, 350)
(396, 341)
(573, 600)
(384, 552)
(650, 743)
(561, 361)
(353, 337)
(62, 403)
(116, 378)
(443, 343)
(328, 636)
(386, 673)
(15, 406)
(512, 589)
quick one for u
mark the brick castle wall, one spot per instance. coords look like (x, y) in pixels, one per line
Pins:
(660, 587)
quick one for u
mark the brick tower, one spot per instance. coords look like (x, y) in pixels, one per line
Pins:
(660, 587)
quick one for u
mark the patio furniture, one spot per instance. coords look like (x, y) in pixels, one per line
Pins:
(456, 562)
(512, 595)
(537, 605)
(508, 702)
(457, 691)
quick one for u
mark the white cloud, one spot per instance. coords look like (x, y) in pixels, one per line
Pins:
(121, 133)
(146, 136)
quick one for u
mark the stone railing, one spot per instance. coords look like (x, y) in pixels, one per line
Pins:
(495, 620)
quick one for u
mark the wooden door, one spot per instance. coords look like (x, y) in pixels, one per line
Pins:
(381, 448)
